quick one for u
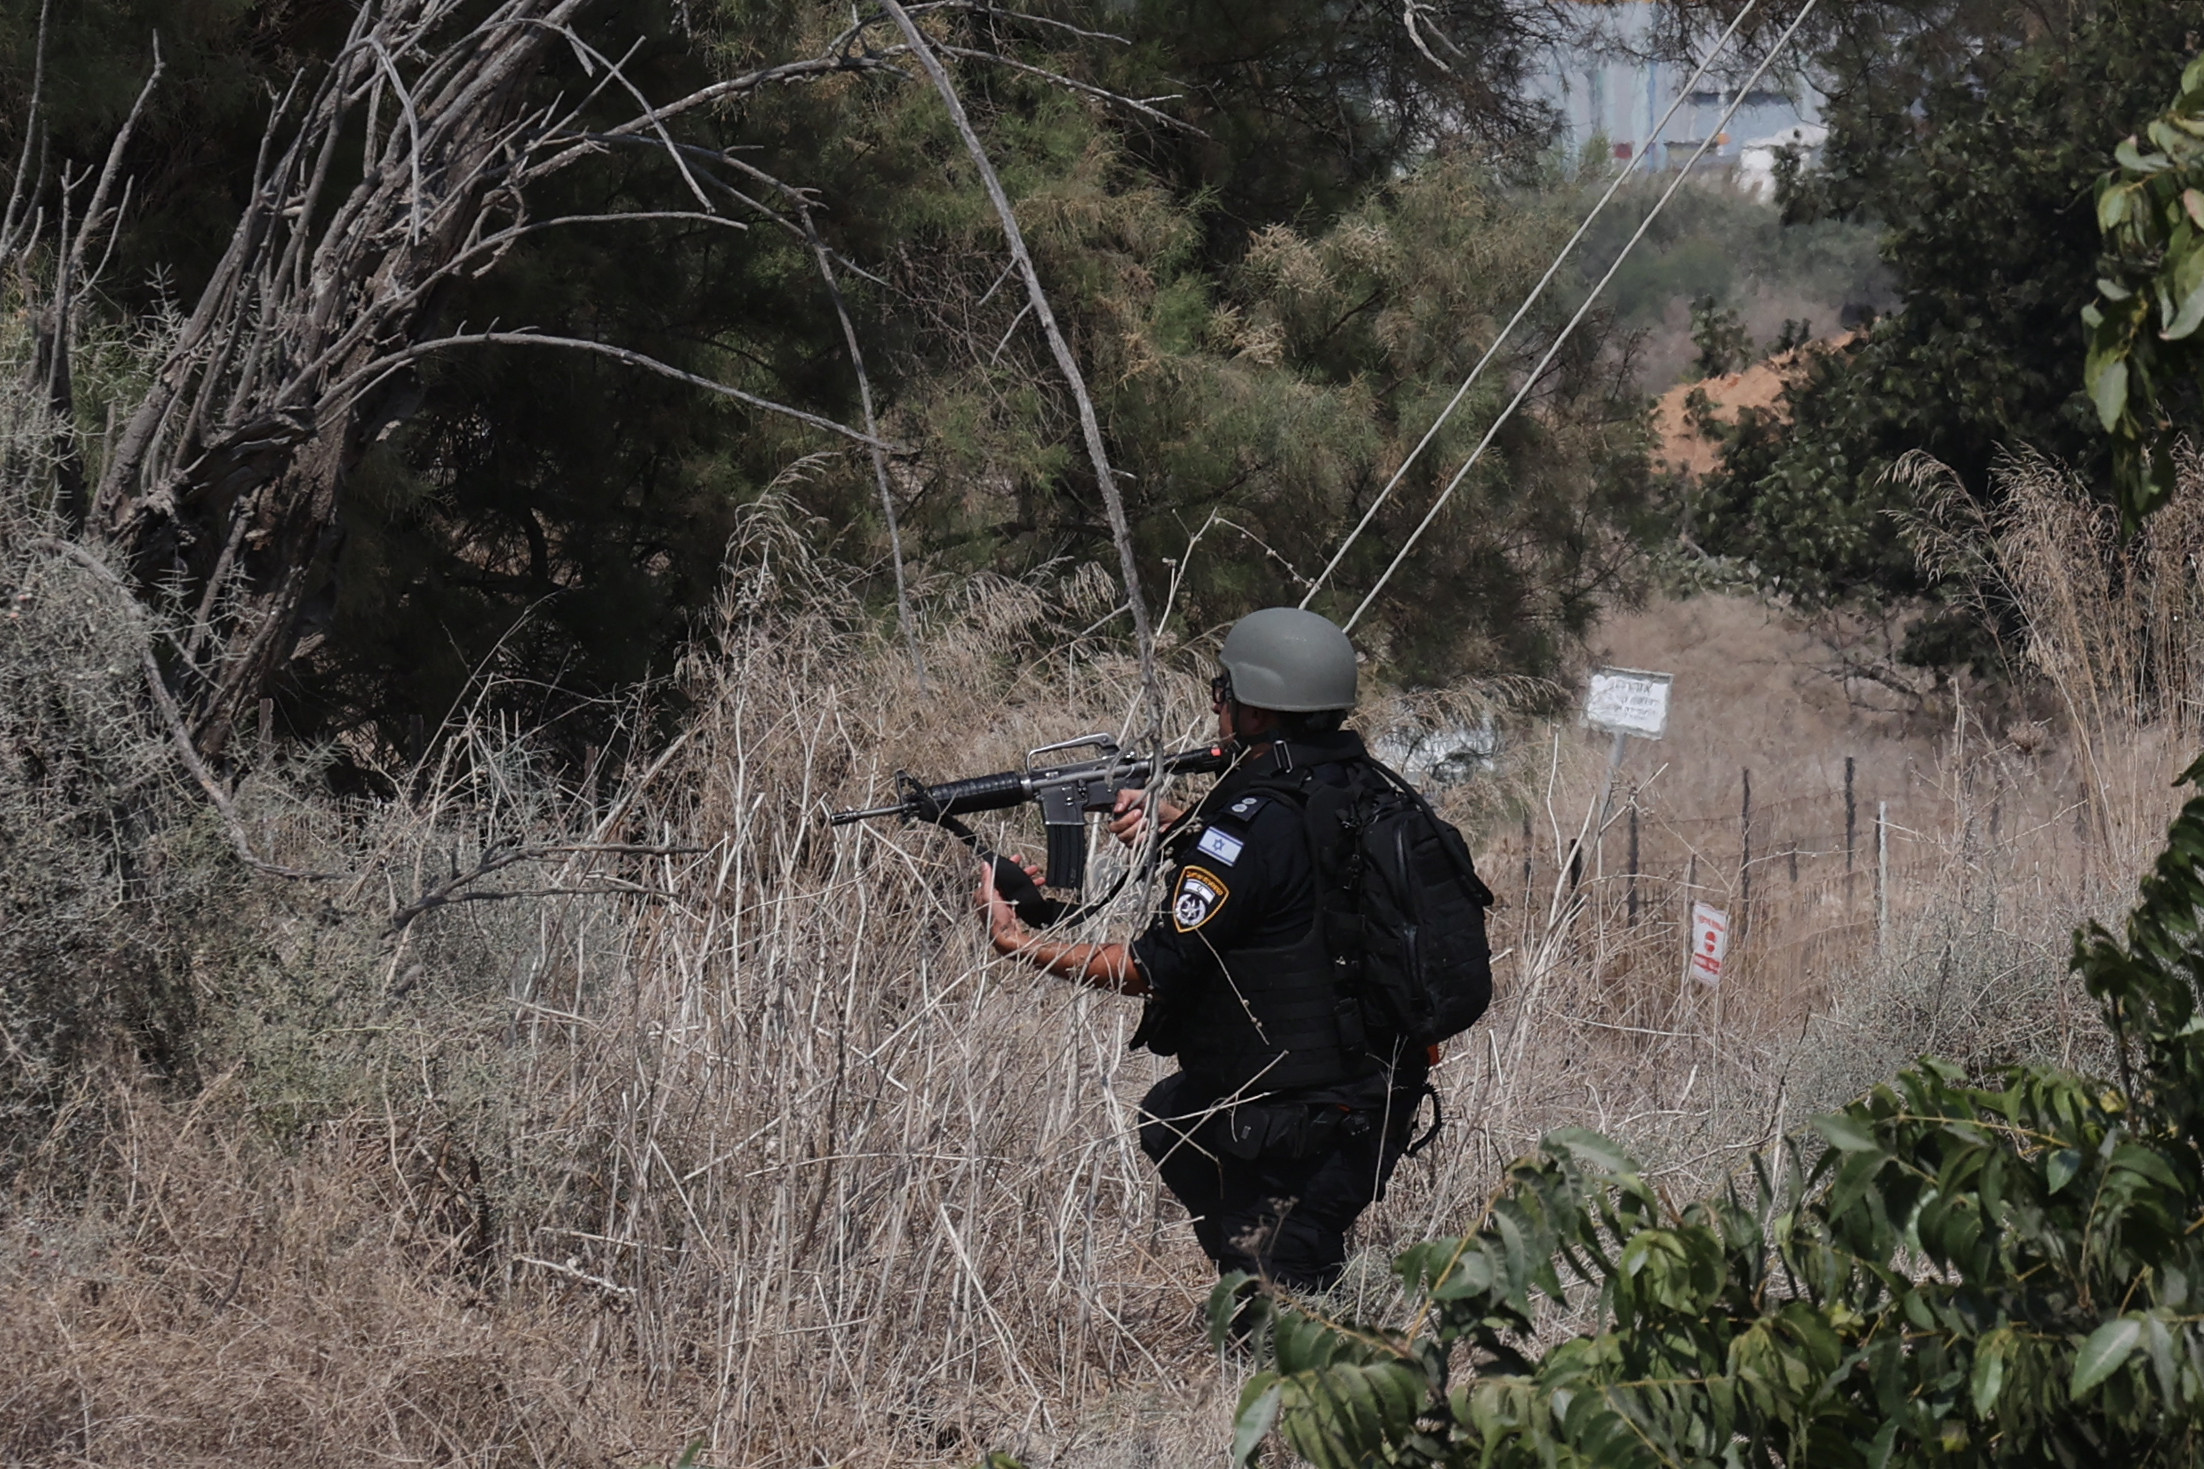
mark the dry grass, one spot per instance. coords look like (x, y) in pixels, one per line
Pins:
(758, 1146)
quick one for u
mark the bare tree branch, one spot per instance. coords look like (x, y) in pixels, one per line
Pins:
(98, 218)
(1410, 10)
(1140, 105)
(1090, 427)
(54, 329)
(382, 367)
(792, 71)
(16, 225)
(502, 855)
(879, 459)
(1021, 17)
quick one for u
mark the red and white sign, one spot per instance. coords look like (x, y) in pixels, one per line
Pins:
(1710, 943)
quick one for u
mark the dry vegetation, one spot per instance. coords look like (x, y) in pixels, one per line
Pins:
(738, 1135)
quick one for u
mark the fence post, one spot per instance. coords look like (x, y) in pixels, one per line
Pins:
(1526, 875)
(1882, 875)
(1744, 863)
(2081, 833)
(1632, 901)
(1851, 836)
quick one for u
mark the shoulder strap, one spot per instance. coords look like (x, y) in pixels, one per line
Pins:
(1400, 783)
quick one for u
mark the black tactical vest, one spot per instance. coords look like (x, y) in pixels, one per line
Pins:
(1279, 1018)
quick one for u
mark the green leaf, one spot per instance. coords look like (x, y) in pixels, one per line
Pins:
(2106, 378)
(1225, 1301)
(2112, 206)
(2105, 1352)
(1470, 1275)
(1340, 1417)
(2188, 285)
(1988, 1378)
(2060, 1171)
(1258, 1414)
(1879, 1448)
(2158, 1342)
(2134, 1158)
(1846, 1133)
(2192, 201)
(1590, 1150)
(2136, 161)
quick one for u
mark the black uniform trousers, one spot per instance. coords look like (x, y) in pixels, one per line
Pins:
(1275, 1185)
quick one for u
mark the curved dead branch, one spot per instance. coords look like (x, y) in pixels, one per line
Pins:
(221, 486)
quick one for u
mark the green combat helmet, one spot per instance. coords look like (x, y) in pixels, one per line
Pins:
(1289, 660)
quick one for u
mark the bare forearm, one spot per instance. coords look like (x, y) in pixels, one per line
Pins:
(1104, 966)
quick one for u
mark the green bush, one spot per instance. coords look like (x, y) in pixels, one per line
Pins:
(1981, 179)
(2144, 351)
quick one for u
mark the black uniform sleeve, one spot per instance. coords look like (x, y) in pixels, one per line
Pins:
(1220, 893)
(1202, 915)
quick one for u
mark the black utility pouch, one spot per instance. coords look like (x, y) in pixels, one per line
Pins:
(1286, 1129)
(1162, 1028)
(1169, 1121)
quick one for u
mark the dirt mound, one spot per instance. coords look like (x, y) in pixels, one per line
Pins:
(1681, 447)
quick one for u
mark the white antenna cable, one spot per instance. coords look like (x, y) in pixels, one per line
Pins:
(1524, 310)
(1531, 379)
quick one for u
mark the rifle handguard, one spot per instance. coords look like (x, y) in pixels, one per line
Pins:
(980, 793)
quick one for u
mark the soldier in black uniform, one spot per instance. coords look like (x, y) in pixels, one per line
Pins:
(1281, 1126)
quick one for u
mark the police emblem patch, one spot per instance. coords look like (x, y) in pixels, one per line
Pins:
(1199, 894)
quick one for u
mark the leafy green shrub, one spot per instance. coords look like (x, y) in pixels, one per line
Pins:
(1980, 177)
(1723, 343)
(1964, 1271)
(2144, 351)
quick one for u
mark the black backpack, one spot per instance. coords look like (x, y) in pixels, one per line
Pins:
(1404, 914)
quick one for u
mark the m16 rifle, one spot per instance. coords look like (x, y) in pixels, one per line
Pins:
(1066, 792)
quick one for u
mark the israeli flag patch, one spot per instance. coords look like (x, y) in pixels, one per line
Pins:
(1225, 848)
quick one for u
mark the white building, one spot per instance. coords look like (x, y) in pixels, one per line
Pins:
(1605, 84)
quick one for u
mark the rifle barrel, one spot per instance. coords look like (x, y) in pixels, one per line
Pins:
(844, 818)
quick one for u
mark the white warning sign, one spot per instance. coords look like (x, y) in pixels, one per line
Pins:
(1710, 944)
(1628, 701)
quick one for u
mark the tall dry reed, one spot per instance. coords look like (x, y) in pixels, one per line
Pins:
(750, 1141)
